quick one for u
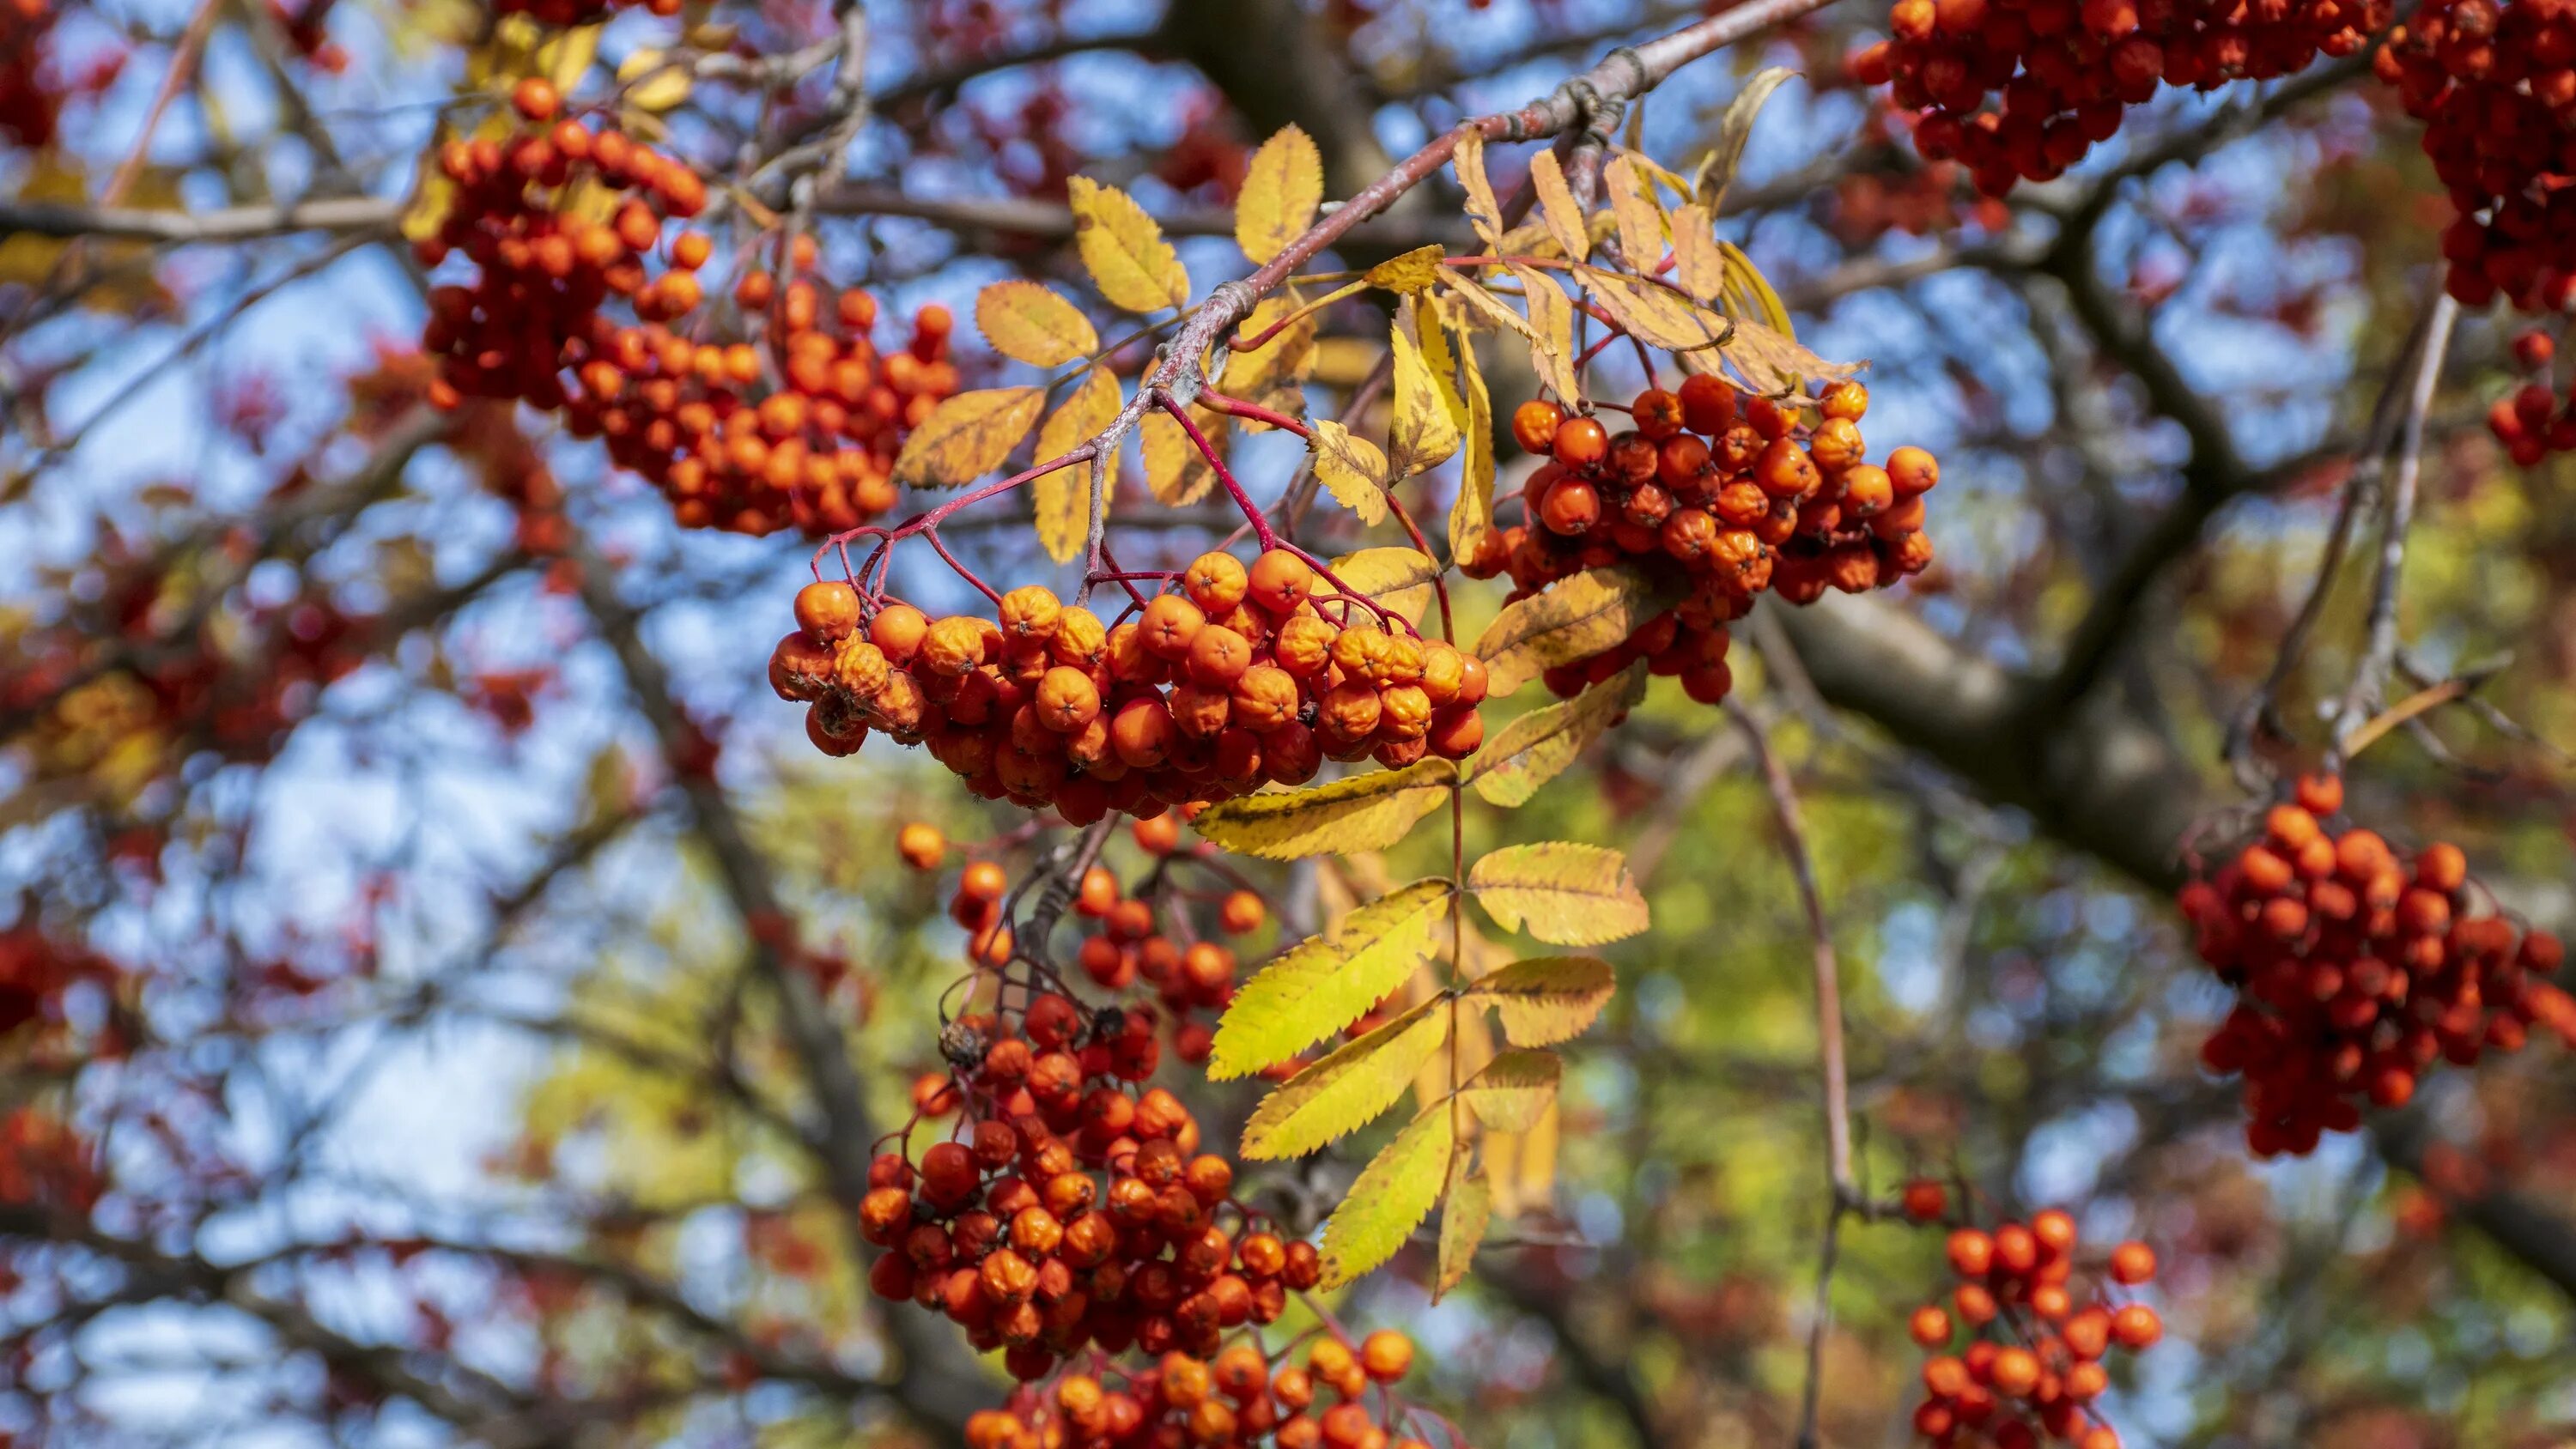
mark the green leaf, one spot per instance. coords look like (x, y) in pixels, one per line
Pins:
(1469, 1211)
(1321, 985)
(1560, 891)
(1348, 1089)
(1343, 817)
(1546, 999)
(1514, 1089)
(1390, 1197)
(1536, 747)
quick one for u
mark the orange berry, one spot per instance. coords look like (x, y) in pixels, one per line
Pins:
(1216, 582)
(983, 881)
(2132, 1263)
(1929, 1326)
(1971, 1252)
(1241, 913)
(2320, 794)
(922, 846)
(1387, 1355)
(1160, 835)
(1925, 1200)
(1279, 581)
(1534, 425)
(1581, 442)
(2136, 1326)
(536, 98)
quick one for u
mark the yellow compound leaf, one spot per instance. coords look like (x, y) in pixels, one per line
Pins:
(1776, 364)
(1639, 215)
(1286, 360)
(1324, 983)
(1551, 320)
(1561, 891)
(1348, 1089)
(1557, 208)
(1177, 473)
(1124, 250)
(1351, 469)
(1423, 434)
(1548, 999)
(1471, 518)
(1033, 323)
(1514, 1090)
(1410, 274)
(1390, 1198)
(1536, 747)
(1398, 578)
(1484, 213)
(968, 436)
(1576, 618)
(1062, 499)
(1699, 260)
(1339, 817)
(1717, 168)
(1467, 1212)
(1652, 314)
(1281, 188)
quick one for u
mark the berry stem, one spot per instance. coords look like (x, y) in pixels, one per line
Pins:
(1251, 511)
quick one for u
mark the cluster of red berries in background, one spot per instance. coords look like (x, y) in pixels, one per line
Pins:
(38, 974)
(1192, 976)
(2356, 973)
(1235, 1398)
(2534, 421)
(1237, 676)
(2062, 70)
(1724, 493)
(46, 1163)
(562, 13)
(1069, 1210)
(2495, 86)
(30, 100)
(2037, 1326)
(802, 435)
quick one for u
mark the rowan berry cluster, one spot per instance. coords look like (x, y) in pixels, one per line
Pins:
(1236, 1398)
(2062, 70)
(44, 1161)
(2355, 972)
(30, 100)
(2534, 421)
(565, 13)
(1070, 1210)
(803, 434)
(38, 972)
(1236, 676)
(1729, 495)
(2036, 1336)
(2495, 86)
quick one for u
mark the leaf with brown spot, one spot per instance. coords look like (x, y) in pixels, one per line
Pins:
(1351, 469)
(1032, 323)
(1282, 185)
(968, 436)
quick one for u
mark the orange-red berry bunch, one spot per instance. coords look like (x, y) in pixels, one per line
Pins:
(1730, 495)
(2355, 972)
(2534, 421)
(1071, 1211)
(2063, 70)
(2495, 86)
(1237, 676)
(803, 435)
(2037, 1333)
(1235, 1398)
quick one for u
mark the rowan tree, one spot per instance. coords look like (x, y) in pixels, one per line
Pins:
(1380, 724)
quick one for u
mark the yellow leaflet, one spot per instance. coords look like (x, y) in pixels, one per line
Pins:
(1032, 323)
(1751, 292)
(1412, 273)
(1576, 618)
(1557, 206)
(1699, 258)
(1560, 891)
(1463, 1222)
(1319, 986)
(1287, 359)
(1717, 168)
(1177, 473)
(1348, 1089)
(1651, 314)
(1547, 999)
(1351, 469)
(1511, 1092)
(1281, 189)
(652, 81)
(1551, 320)
(1422, 434)
(1355, 813)
(1389, 1199)
(1484, 213)
(1534, 1173)
(968, 436)
(1537, 747)
(1124, 250)
(1471, 518)
(1398, 578)
(1062, 499)
(1772, 363)
(1633, 205)
(1485, 305)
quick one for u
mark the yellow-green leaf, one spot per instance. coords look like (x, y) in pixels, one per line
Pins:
(1548, 999)
(1342, 817)
(1651, 314)
(1398, 578)
(1484, 213)
(1348, 1089)
(1032, 323)
(1124, 250)
(1390, 1198)
(1177, 473)
(1324, 983)
(1536, 747)
(1560, 891)
(1557, 206)
(1514, 1090)
(1699, 259)
(968, 436)
(1576, 618)
(1471, 518)
(1409, 274)
(1062, 499)
(1281, 188)
(1422, 435)
(1633, 205)
(1551, 320)
(1717, 168)
(1351, 469)
(1465, 1214)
